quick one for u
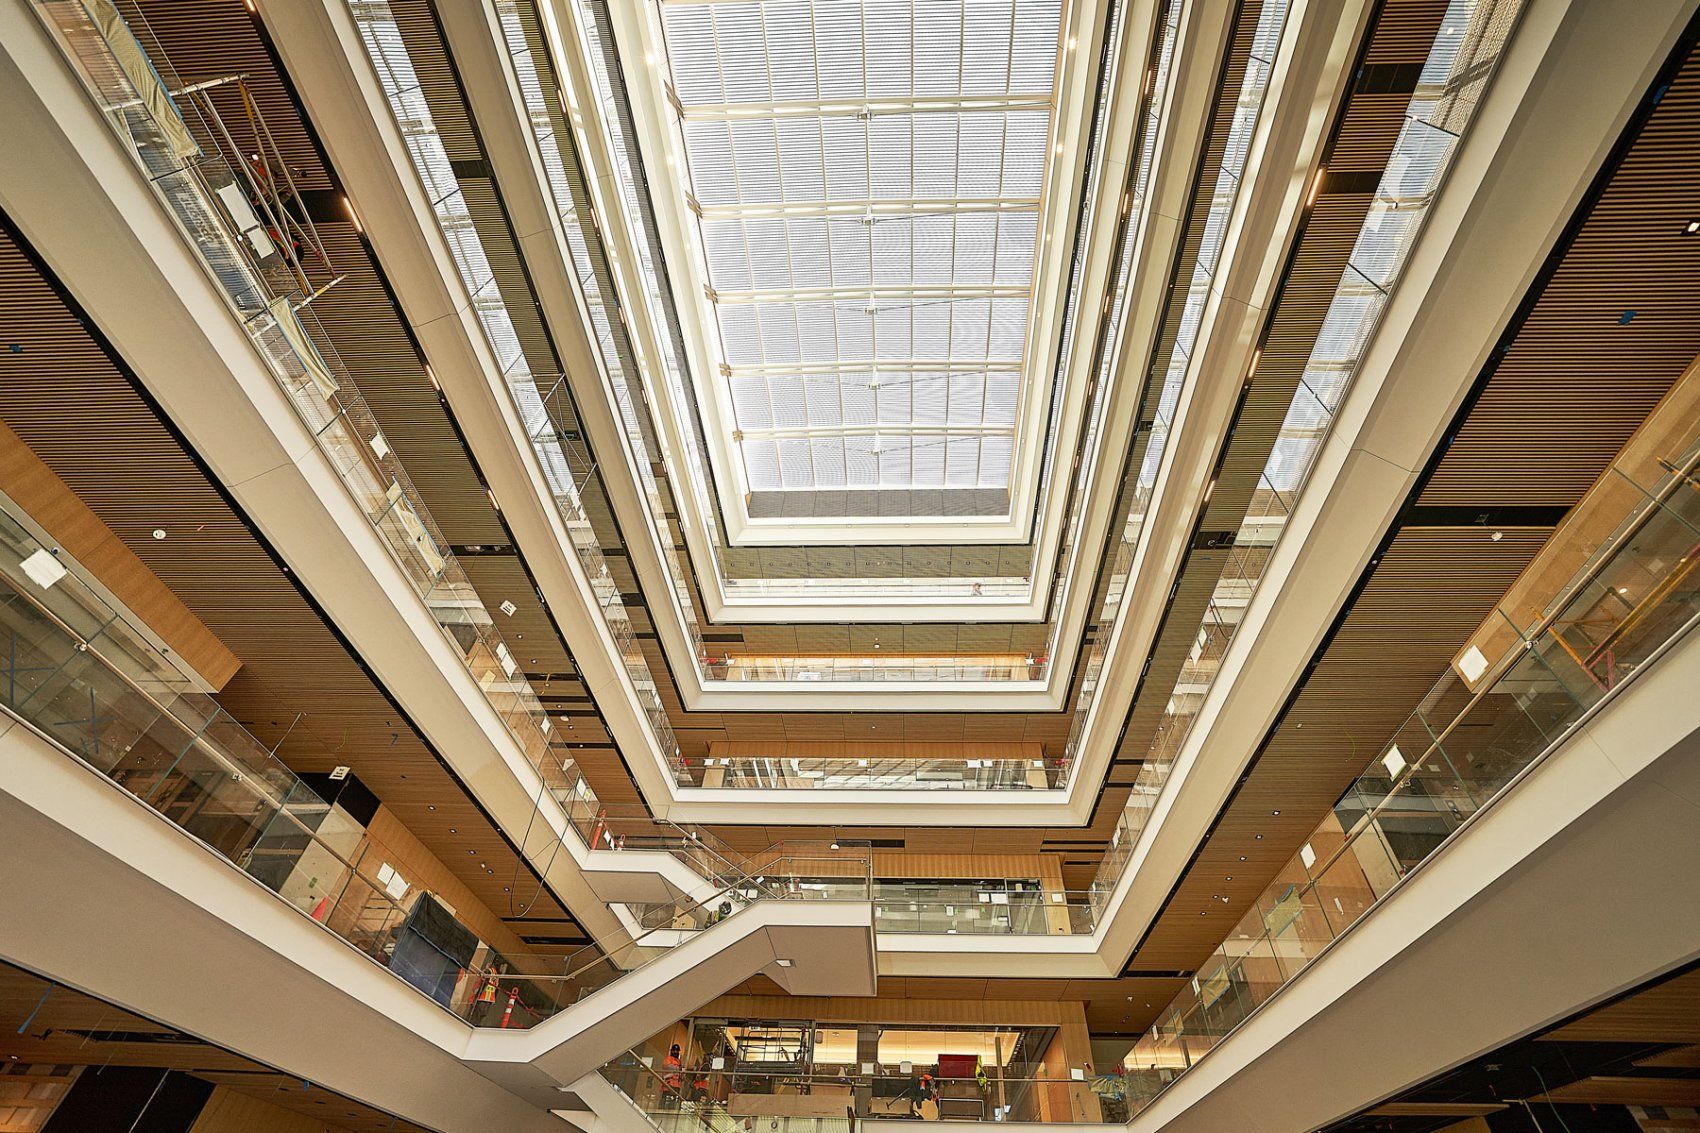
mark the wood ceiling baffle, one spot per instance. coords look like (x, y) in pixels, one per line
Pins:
(131, 469)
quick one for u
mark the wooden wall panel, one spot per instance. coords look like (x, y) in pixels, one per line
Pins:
(393, 843)
(299, 689)
(229, 1112)
(1070, 1050)
(30, 1093)
(32, 485)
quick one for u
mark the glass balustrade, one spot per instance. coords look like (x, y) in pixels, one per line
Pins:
(1461, 62)
(728, 767)
(241, 215)
(1454, 755)
(1047, 913)
(895, 668)
(520, 992)
(722, 1093)
(940, 907)
(80, 675)
(76, 672)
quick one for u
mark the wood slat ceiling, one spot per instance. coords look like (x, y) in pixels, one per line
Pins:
(1667, 1012)
(1434, 584)
(70, 1029)
(1563, 402)
(1362, 139)
(292, 662)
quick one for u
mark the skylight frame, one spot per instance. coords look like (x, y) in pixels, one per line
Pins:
(1057, 188)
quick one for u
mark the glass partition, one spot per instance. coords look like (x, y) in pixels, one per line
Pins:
(78, 674)
(75, 672)
(1453, 756)
(676, 1085)
(724, 768)
(240, 213)
(517, 992)
(1461, 62)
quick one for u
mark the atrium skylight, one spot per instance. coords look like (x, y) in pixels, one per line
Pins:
(867, 181)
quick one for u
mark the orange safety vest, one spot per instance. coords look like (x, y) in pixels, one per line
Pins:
(487, 993)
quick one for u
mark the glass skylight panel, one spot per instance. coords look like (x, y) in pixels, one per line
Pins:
(867, 181)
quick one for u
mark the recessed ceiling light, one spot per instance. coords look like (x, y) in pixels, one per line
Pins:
(785, 963)
(1693, 228)
(159, 533)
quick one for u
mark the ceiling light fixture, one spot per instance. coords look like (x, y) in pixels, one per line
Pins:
(44, 570)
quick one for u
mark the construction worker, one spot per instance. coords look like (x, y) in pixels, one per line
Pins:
(485, 999)
(672, 1077)
(926, 1091)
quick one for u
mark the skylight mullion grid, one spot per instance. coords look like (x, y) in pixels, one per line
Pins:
(924, 134)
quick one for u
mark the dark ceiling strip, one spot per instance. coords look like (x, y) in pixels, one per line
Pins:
(1527, 515)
